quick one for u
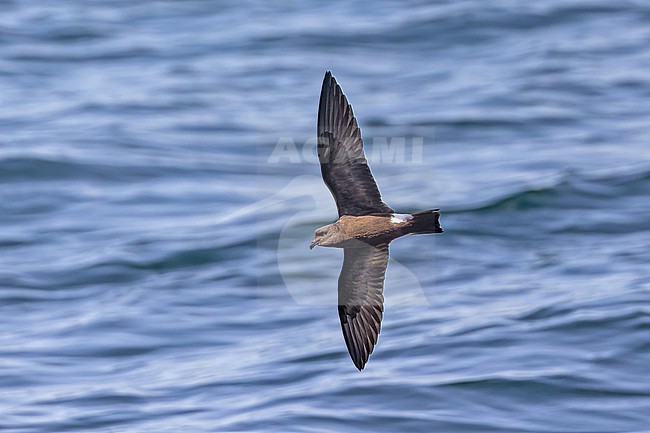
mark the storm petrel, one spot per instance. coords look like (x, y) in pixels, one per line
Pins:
(366, 224)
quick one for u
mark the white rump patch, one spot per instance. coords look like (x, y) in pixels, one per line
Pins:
(400, 218)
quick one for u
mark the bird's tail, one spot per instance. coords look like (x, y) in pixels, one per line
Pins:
(427, 221)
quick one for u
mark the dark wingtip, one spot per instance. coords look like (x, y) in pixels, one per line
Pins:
(329, 77)
(358, 362)
(357, 355)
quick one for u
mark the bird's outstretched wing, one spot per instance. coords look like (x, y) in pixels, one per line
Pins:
(361, 299)
(340, 151)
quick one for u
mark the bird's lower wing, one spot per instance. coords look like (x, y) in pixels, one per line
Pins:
(361, 299)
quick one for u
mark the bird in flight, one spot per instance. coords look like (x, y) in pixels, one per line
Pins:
(366, 224)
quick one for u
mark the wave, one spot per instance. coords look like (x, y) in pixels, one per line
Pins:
(573, 191)
(41, 169)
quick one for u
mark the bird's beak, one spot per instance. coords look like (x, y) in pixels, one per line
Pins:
(313, 244)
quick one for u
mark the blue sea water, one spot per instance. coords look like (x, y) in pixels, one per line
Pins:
(158, 193)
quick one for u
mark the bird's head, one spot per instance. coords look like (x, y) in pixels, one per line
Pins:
(322, 236)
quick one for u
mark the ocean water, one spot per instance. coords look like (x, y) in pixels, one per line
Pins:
(158, 193)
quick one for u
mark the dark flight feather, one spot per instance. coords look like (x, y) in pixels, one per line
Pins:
(340, 151)
(361, 299)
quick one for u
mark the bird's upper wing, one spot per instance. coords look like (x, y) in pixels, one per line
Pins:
(340, 151)
(361, 299)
